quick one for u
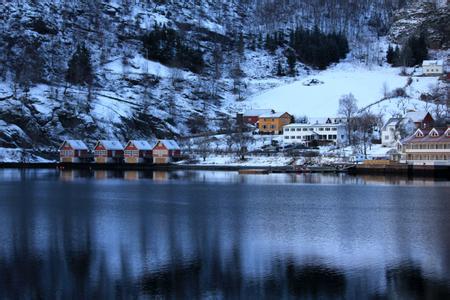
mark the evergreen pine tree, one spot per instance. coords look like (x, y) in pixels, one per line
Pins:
(291, 60)
(390, 55)
(280, 71)
(80, 68)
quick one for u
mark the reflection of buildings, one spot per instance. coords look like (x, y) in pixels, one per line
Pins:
(222, 240)
(69, 175)
(160, 175)
(132, 175)
(103, 174)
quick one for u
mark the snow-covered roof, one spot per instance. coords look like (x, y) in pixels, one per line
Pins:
(257, 112)
(111, 145)
(392, 122)
(416, 116)
(76, 144)
(321, 120)
(141, 145)
(426, 136)
(314, 125)
(438, 62)
(273, 115)
(169, 144)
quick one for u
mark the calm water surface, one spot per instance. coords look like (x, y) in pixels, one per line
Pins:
(75, 235)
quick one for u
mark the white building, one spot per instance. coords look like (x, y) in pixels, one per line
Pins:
(322, 133)
(433, 67)
(397, 128)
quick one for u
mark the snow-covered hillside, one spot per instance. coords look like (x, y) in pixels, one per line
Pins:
(134, 97)
(318, 94)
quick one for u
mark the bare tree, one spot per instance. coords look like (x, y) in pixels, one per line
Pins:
(365, 124)
(348, 108)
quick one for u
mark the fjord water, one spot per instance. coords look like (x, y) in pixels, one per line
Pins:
(72, 235)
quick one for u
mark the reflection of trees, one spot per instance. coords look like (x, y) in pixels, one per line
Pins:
(315, 281)
(407, 281)
(175, 245)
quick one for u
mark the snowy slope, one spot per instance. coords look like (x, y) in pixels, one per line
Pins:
(365, 83)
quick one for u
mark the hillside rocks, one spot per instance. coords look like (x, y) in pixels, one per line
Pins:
(422, 18)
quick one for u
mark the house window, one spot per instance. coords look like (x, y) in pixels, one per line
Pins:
(264, 126)
(131, 152)
(334, 129)
(305, 129)
(320, 129)
(286, 137)
(67, 153)
(272, 126)
(286, 129)
(298, 137)
(298, 129)
(327, 129)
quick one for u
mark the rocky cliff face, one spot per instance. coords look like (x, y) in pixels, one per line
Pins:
(422, 17)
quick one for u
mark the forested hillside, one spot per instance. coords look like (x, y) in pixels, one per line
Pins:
(130, 69)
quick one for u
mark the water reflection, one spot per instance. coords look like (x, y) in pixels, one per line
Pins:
(87, 238)
(220, 177)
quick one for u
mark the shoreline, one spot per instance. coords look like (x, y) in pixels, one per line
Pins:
(386, 170)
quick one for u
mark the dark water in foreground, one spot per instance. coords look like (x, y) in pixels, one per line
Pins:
(221, 235)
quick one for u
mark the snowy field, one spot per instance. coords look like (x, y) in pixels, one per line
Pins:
(322, 99)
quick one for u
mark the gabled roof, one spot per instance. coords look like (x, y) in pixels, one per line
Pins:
(169, 144)
(433, 63)
(257, 112)
(416, 116)
(428, 136)
(140, 144)
(392, 122)
(273, 115)
(75, 144)
(110, 144)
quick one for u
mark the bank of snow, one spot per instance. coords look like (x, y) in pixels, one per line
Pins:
(322, 99)
(14, 155)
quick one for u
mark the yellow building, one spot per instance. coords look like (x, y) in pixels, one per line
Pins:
(273, 123)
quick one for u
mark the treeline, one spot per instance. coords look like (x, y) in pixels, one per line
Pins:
(311, 47)
(317, 48)
(166, 46)
(412, 53)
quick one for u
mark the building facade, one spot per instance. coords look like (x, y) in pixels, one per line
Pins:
(165, 151)
(252, 116)
(137, 151)
(433, 67)
(108, 151)
(427, 147)
(397, 128)
(273, 123)
(73, 151)
(307, 134)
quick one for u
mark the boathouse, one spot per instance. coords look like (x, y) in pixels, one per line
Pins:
(166, 151)
(137, 151)
(73, 151)
(108, 151)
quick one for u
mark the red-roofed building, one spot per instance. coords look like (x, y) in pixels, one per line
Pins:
(137, 152)
(108, 151)
(166, 151)
(73, 151)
